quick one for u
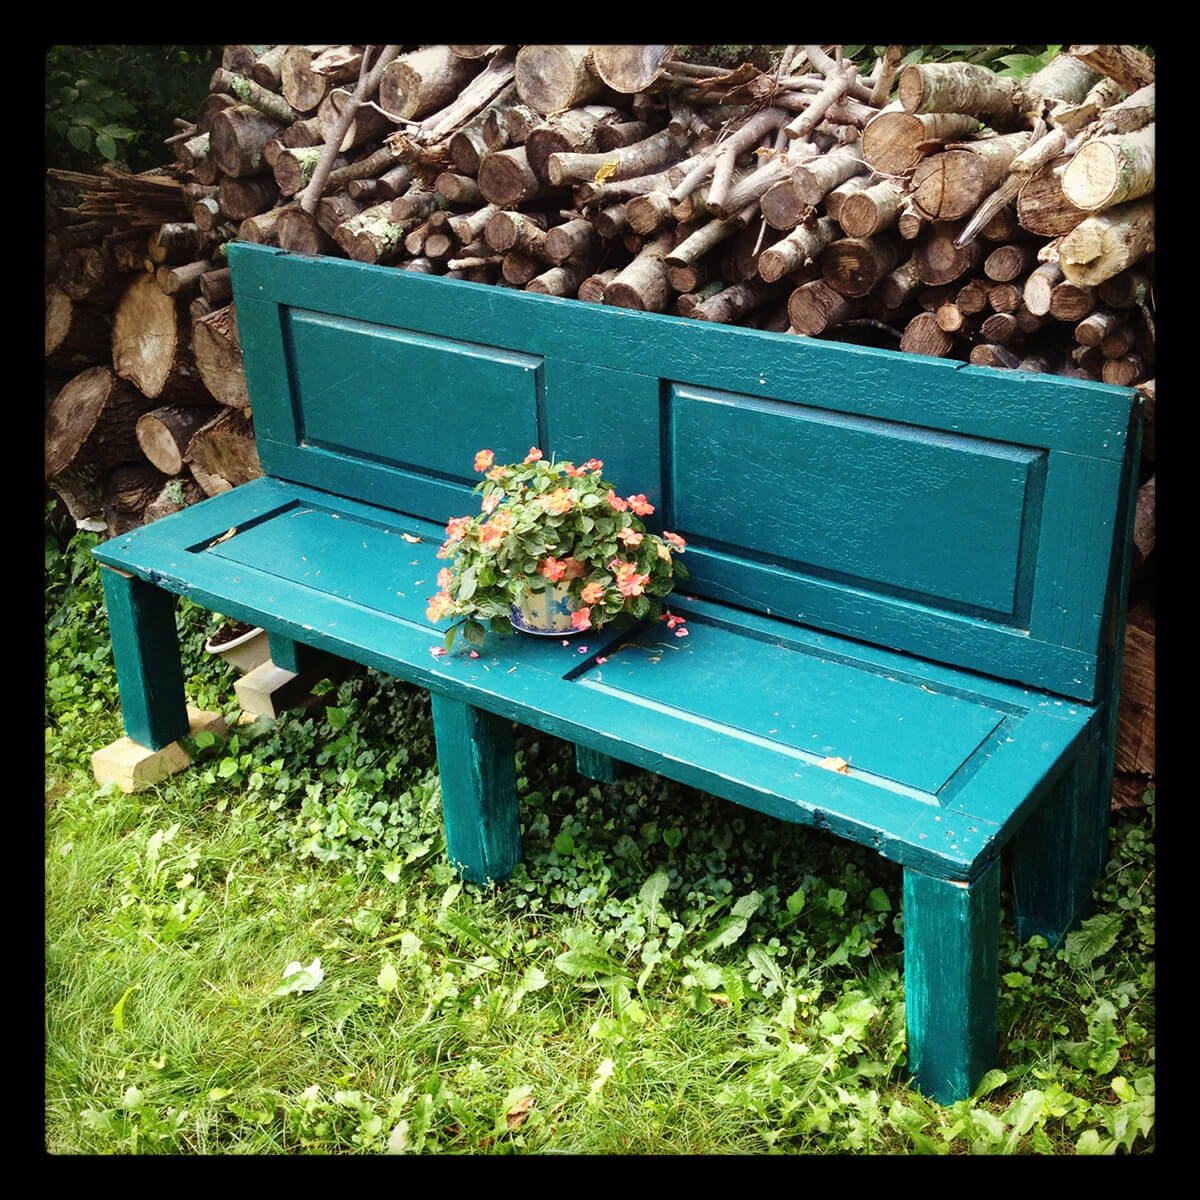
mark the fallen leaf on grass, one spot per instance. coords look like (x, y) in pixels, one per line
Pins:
(515, 1117)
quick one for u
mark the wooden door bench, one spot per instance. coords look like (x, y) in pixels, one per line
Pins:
(905, 604)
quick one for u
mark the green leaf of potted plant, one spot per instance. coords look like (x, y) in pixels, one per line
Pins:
(553, 550)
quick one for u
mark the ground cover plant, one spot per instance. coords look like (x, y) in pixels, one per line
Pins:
(269, 954)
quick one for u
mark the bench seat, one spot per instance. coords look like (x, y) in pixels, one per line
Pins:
(939, 764)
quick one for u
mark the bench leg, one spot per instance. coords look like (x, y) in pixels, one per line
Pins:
(141, 619)
(597, 766)
(1059, 853)
(479, 790)
(951, 981)
(294, 656)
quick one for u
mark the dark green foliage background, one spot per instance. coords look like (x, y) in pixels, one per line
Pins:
(116, 103)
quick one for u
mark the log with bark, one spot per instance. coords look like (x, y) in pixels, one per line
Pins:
(218, 356)
(164, 433)
(93, 422)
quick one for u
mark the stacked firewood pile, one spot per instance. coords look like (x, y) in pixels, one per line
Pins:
(146, 404)
(934, 208)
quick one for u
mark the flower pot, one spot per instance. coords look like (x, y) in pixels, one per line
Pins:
(244, 652)
(547, 613)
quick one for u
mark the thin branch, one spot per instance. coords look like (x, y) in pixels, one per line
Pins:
(368, 85)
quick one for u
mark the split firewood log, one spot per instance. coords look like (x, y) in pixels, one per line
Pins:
(77, 335)
(1136, 707)
(224, 449)
(218, 355)
(308, 73)
(151, 345)
(128, 490)
(175, 495)
(1104, 244)
(1128, 66)
(93, 422)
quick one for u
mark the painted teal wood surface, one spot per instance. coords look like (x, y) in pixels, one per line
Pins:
(479, 790)
(951, 967)
(904, 611)
(958, 514)
(141, 620)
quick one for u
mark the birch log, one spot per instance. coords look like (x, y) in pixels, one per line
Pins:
(1102, 245)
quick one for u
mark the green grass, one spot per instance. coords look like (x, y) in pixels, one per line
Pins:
(665, 974)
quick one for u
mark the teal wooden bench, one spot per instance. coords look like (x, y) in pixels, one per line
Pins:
(906, 601)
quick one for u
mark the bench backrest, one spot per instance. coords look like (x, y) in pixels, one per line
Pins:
(975, 517)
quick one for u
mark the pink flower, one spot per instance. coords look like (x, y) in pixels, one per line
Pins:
(629, 582)
(675, 540)
(594, 464)
(558, 502)
(456, 529)
(640, 505)
(495, 529)
(592, 592)
(630, 537)
(437, 651)
(581, 618)
(490, 502)
(616, 501)
(497, 473)
(444, 578)
(533, 455)
(553, 569)
(439, 606)
(484, 459)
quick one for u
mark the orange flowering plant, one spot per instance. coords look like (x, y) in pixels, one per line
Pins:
(543, 524)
